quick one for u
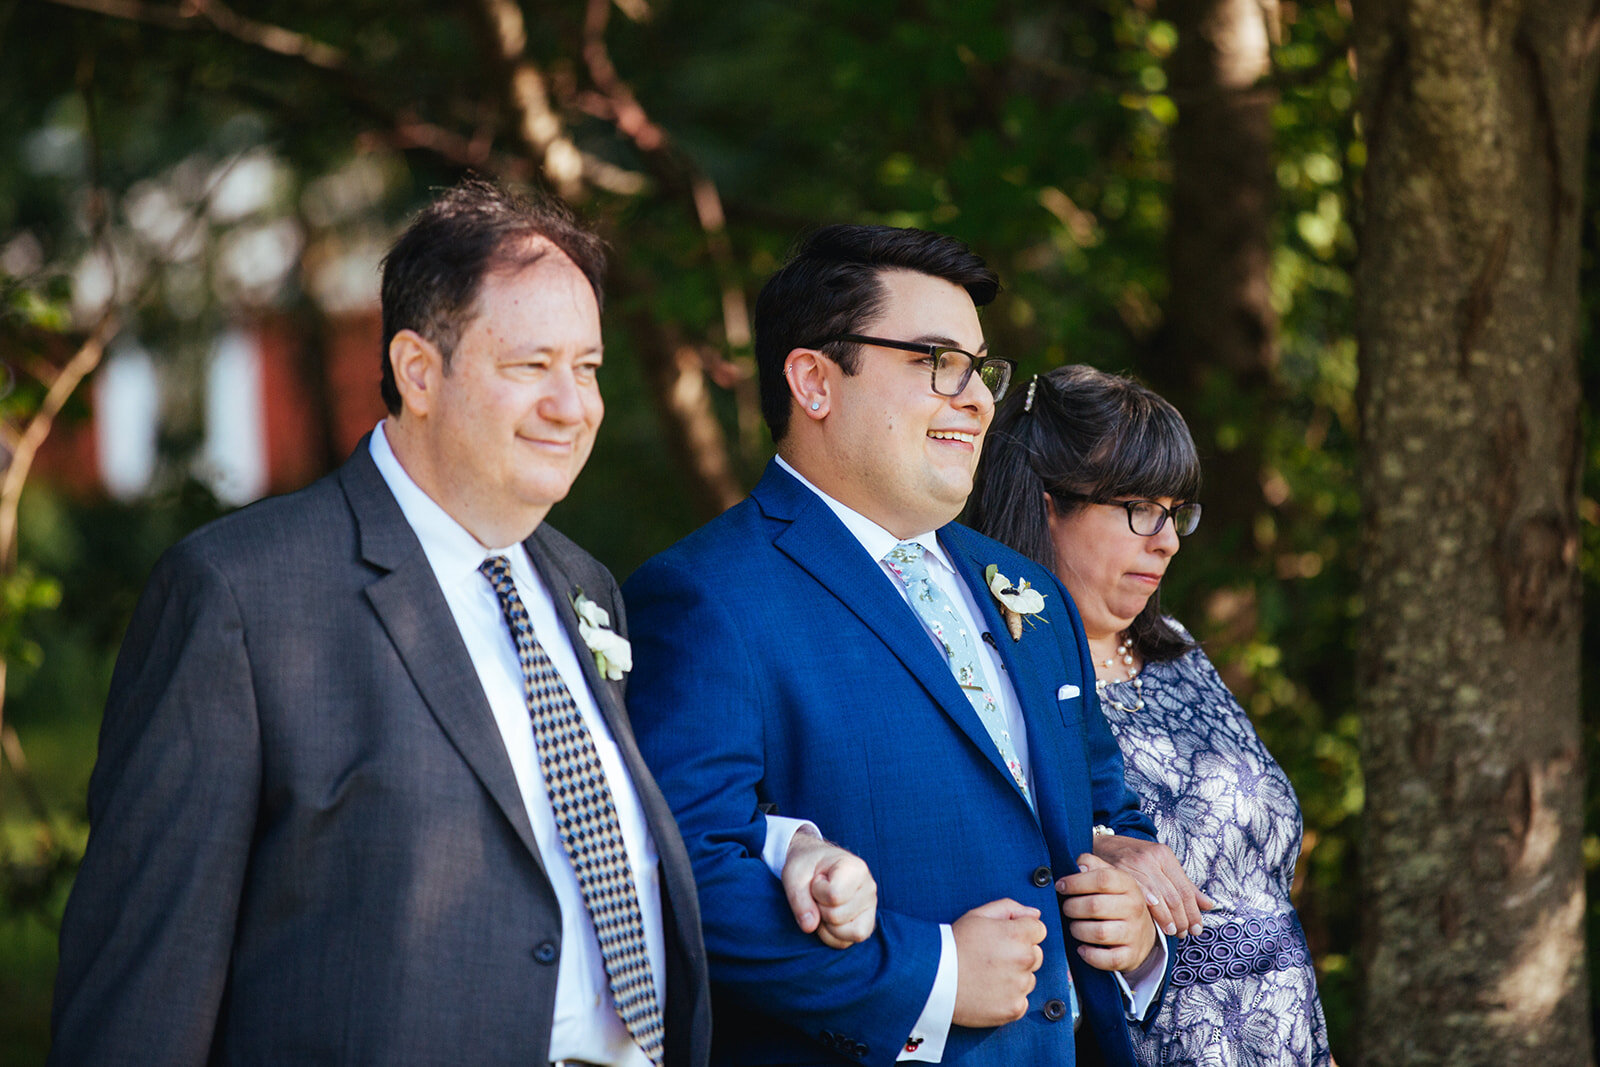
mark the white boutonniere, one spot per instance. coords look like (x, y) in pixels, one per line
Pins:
(1016, 601)
(613, 656)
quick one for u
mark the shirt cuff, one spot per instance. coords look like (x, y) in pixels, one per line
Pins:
(1136, 998)
(926, 1042)
(780, 831)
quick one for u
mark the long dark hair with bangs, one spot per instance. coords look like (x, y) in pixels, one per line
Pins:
(1082, 435)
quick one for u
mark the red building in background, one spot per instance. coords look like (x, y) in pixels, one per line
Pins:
(274, 416)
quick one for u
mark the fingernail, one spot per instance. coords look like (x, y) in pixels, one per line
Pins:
(1082, 869)
(1172, 929)
(1195, 929)
(1150, 899)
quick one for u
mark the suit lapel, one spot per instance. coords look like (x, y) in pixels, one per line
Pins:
(1035, 666)
(561, 587)
(413, 612)
(820, 545)
(1027, 662)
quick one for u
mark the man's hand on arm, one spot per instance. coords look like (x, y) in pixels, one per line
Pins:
(997, 949)
(1107, 912)
(1175, 902)
(830, 890)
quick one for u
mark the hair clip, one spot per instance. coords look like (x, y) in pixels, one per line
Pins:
(1033, 384)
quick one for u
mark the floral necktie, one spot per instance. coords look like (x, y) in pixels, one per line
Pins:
(939, 615)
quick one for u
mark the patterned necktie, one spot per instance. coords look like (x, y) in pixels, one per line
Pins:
(939, 614)
(586, 817)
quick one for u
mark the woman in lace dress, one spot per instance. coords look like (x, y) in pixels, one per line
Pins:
(1095, 476)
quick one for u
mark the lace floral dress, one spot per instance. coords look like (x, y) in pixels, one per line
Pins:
(1242, 993)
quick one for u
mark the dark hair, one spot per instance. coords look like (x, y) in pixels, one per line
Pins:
(1085, 436)
(830, 285)
(434, 272)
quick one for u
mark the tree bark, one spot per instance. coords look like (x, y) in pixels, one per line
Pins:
(1475, 114)
(1219, 338)
(675, 373)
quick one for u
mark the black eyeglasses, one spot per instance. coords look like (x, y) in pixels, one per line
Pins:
(952, 367)
(1147, 517)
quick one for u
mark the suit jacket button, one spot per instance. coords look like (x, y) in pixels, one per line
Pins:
(1042, 877)
(546, 952)
(1055, 1009)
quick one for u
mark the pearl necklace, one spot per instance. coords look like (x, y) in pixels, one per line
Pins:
(1125, 654)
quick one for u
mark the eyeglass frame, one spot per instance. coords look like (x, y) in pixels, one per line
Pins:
(936, 352)
(1166, 512)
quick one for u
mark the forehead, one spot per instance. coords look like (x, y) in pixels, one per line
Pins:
(920, 307)
(539, 281)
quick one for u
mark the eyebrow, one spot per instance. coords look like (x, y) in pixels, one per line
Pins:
(946, 342)
(535, 348)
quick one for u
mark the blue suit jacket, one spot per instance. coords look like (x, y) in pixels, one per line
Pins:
(776, 664)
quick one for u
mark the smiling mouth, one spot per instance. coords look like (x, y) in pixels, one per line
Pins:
(954, 435)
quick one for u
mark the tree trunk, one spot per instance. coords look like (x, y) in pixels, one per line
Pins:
(675, 374)
(1218, 343)
(1475, 114)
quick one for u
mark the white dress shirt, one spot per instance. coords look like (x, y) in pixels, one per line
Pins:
(586, 1025)
(933, 1026)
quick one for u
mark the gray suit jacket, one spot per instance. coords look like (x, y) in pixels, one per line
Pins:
(307, 842)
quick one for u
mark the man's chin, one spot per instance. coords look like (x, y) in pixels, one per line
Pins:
(953, 496)
(546, 487)
(947, 512)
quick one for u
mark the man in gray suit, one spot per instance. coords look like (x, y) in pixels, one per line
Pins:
(366, 792)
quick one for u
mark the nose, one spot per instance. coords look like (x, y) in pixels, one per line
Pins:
(562, 399)
(1165, 541)
(976, 396)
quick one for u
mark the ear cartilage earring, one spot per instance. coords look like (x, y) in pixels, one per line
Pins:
(1033, 384)
(816, 405)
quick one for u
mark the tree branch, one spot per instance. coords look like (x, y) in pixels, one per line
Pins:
(539, 127)
(677, 379)
(673, 168)
(678, 388)
(11, 750)
(61, 384)
(402, 129)
(198, 14)
(38, 428)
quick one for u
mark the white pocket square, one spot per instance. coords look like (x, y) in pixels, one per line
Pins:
(1067, 692)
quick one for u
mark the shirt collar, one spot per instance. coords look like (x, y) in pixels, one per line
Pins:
(452, 551)
(872, 537)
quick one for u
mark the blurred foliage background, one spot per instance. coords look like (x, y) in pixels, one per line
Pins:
(190, 168)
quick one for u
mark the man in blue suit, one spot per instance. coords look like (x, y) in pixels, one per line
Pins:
(831, 649)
